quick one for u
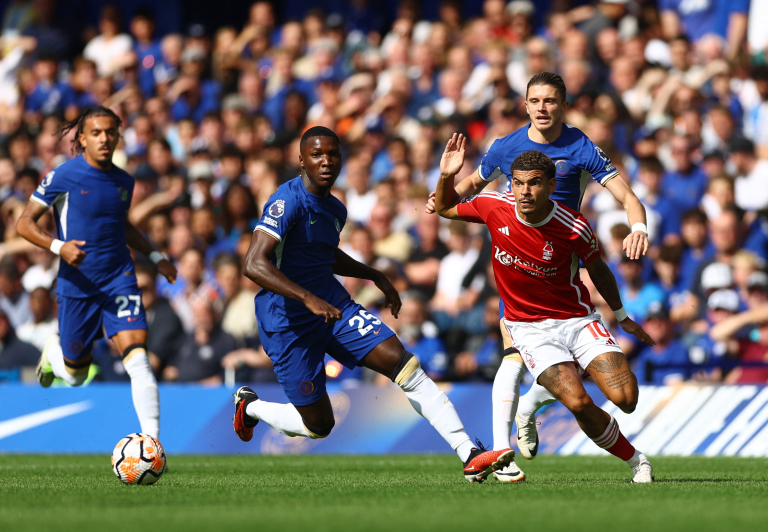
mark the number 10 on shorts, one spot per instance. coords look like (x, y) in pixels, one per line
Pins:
(359, 322)
(599, 332)
(123, 302)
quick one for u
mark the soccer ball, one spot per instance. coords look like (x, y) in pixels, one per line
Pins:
(138, 459)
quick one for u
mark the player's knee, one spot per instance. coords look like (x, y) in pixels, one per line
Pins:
(577, 403)
(406, 366)
(627, 402)
(321, 430)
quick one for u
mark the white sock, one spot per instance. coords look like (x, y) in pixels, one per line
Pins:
(56, 359)
(505, 394)
(283, 418)
(146, 398)
(536, 397)
(433, 404)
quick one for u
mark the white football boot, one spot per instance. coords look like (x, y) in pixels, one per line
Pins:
(527, 437)
(642, 471)
(510, 473)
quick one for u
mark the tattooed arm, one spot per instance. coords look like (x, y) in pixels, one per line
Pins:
(605, 282)
(137, 241)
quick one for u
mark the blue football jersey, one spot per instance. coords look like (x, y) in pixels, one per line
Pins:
(307, 228)
(575, 157)
(90, 204)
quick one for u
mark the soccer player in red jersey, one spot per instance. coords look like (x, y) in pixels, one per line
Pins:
(537, 244)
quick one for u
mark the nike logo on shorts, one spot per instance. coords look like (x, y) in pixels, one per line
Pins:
(312, 221)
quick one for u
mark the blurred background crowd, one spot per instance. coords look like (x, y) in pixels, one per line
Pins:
(675, 92)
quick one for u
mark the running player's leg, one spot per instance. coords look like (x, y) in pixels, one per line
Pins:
(506, 388)
(132, 345)
(597, 351)
(125, 323)
(298, 363)
(69, 355)
(362, 339)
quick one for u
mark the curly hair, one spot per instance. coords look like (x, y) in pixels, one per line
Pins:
(78, 123)
(534, 160)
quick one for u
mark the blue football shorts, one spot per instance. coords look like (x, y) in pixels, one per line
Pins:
(81, 319)
(298, 354)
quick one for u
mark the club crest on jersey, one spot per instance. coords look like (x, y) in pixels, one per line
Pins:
(601, 153)
(277, 209)
(562, 167)
(548, 251)
(123, 193)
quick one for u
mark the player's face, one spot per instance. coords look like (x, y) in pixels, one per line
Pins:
(545, 107)
(99, 139)
(532, 190)
(321, 160)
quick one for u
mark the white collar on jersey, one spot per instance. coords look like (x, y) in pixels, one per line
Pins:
(545, 220)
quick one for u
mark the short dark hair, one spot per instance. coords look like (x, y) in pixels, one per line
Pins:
(535, 160)
(672, 253)
(547, 78)
(696, 215)
(226, 259)
(651, 164)
(318, 131)
(79, 123)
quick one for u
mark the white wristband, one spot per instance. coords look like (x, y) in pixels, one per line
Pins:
(156, 257)
(56, 246)
(640, 226)
(620, 314)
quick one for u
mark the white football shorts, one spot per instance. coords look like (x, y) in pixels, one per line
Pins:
(543, 344)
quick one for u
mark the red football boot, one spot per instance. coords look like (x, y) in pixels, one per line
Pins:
(482, 462)
(244, 423)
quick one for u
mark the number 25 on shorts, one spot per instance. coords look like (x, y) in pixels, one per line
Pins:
(359, 322)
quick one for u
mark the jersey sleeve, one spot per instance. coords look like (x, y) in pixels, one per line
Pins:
(477, 208)
(584, 241)
(280, 214)
(490, 165)
(597, 163)
(52, 186)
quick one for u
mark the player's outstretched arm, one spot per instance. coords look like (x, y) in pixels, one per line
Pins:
(137, 241)
(472, 184)
(446, 195)
(27, 227)
(636, 244)
(260, 270)
(605, 282)
(346, 266)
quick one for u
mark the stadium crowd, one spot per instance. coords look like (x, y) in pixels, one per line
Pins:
(678, 100)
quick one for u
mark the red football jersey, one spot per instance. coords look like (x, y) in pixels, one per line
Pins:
(536, 265)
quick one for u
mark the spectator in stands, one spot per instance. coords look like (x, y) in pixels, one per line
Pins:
(668, 350)
(163, 325)
(752, 176)
(14, 353)
(482, 352)
(395, 245)
(198, 355)
(239, 319)
(14, 300)
(752, 347)
(43, 323)
(419, 336)
(757, 289)
(452, 304)
(637, 295)
(110, 50)
(684, 184)
(423, 266)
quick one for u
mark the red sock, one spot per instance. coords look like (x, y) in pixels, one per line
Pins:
(613, 441)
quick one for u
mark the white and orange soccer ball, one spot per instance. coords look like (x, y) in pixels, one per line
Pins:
(138, 459)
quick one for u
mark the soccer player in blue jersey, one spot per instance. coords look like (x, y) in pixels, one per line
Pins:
(304, 312)
(576, 158)
(96, 283)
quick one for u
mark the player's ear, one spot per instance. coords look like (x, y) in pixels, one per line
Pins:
(301, 161)
(552, 184)
(566, 105)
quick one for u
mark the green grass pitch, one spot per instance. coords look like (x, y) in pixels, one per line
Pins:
(400, 493)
